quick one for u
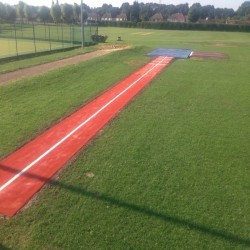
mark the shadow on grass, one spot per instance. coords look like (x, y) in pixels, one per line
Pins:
(3, 247)
(136, 208)
(32, 55)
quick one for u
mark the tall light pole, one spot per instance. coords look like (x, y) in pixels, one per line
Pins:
(83, 42)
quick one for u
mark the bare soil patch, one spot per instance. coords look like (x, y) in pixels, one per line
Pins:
(40, 69)
(208, 55)
(222, 45)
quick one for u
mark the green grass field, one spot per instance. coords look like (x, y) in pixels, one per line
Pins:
(170, 172)
(23, 39)
(10, 48)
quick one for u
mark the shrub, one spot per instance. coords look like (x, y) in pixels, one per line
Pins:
(178, 26)
(99, 38)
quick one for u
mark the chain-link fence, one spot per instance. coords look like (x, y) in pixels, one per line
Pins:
(20, 39)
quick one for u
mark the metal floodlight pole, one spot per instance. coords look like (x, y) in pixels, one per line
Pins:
(83, 42)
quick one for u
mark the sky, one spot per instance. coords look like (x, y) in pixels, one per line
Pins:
(117, 3)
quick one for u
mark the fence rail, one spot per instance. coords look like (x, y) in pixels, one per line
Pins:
(20, 39)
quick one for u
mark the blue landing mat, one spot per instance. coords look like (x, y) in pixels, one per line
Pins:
(177, 53)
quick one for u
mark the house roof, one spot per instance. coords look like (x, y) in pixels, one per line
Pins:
(107, 15)
(177, 17)
(122, 15)
(93, 16)
(157, 16)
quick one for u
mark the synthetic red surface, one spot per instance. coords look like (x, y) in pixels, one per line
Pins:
(24, 172)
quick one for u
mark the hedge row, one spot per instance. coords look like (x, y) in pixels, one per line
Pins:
(177, 26)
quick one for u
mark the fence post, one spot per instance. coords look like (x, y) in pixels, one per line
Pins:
(34, 37)
(82, 27)
(22, 28)
(57, 31)
(62, 35)
(71, 36)
(49, 39)
(16, 40)
(45, 31)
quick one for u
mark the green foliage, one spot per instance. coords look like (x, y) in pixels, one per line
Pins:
(10, 13)
(77, 12)
(30, 12)
(207, 12)
(125, 8)
(2, 12)
(177, 26)
(56, 13)
(44, 14)
(182, 8)
(67, 12)
(135, 12)
(244, 9)
(20, 9)
(115, 11)
(145, 12)
(194, 13)
(167, 10)
(223, 14)
(99, 38)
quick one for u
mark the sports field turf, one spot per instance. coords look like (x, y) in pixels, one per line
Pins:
(23, 39)
(10, 48)
(170, 172)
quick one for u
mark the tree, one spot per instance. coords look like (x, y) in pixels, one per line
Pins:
(10, 13)
(86, 7)
(84, 15)
(44, 14)
(2, 12)
(194, 12)
(224, 13)
(77, 12)
(99, 11)
(228, 13)
(114, 12)
(67, 12)
(135, 12)
(145, 12)
(30, 12)
(218, 13)
(182, 8)
(171, 9)
(20, 9)
(163, 9)
(126, 8)
(244, 9)
(207, 11)
(55, 12)
(106, 8)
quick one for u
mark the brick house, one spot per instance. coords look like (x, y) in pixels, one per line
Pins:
(93, 17)
(107, 17)
(177, 18)
(156, 18)
(121, 17)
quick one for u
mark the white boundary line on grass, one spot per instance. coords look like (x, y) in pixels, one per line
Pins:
(77, 128)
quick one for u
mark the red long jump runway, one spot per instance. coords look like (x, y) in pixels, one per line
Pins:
(46, 154)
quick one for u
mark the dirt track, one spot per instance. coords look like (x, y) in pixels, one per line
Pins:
(39, 69)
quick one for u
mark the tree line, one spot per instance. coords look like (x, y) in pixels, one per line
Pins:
(56, 13)
(136, 12)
